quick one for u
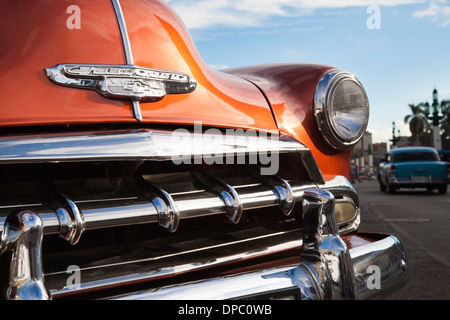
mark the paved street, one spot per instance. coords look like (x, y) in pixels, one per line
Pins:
(421, 221)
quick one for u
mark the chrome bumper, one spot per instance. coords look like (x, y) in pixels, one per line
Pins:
(328, 269)
(418, 181)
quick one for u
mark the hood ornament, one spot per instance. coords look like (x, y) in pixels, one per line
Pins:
(122, 82)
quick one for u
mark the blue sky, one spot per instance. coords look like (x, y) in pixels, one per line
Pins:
(399, 63)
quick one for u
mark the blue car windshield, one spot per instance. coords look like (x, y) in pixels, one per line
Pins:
(415, 156)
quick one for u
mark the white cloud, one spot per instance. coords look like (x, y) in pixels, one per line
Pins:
(381, 132)
(243, 13)
(219, 67)
(438, 11)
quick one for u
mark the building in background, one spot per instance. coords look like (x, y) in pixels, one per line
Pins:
(379, 151)
(362, 156)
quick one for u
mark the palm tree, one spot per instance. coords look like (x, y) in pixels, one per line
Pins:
(418, 121)
(445, 124)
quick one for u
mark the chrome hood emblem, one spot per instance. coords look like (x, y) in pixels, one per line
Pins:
(123, 82)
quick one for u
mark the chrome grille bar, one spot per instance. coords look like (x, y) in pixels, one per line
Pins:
(254, 244)
(155, 145)
(119, 212)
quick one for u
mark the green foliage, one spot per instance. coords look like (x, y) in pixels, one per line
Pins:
(422, 127)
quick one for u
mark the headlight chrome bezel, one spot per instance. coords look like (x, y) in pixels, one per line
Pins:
(323, 109)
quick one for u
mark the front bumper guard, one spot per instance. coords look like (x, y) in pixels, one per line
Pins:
(328, 269)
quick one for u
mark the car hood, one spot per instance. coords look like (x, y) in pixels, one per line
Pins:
(37, 35)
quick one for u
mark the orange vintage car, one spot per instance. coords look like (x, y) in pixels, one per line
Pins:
(132, 170)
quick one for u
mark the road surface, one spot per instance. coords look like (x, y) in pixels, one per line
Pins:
(421, 221)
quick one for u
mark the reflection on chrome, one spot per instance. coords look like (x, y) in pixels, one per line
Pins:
(328, 269)
(22, 233)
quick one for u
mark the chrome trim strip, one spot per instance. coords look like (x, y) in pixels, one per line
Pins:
(144, 144)
(127, 50)
(417, 181)
(123, 32)
(137, 110)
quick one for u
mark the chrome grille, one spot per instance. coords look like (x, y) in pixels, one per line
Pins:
(131, 217)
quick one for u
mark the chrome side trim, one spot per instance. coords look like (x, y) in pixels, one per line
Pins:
(22, 233)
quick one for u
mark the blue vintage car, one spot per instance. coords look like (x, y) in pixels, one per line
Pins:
(413, 167)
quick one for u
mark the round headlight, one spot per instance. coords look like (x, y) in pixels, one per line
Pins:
(341, 109)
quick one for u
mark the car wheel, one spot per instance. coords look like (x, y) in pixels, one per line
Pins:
(443, 189)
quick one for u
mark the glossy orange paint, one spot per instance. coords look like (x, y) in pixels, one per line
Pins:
(290, 90)
(158, 38)
(37, 37)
